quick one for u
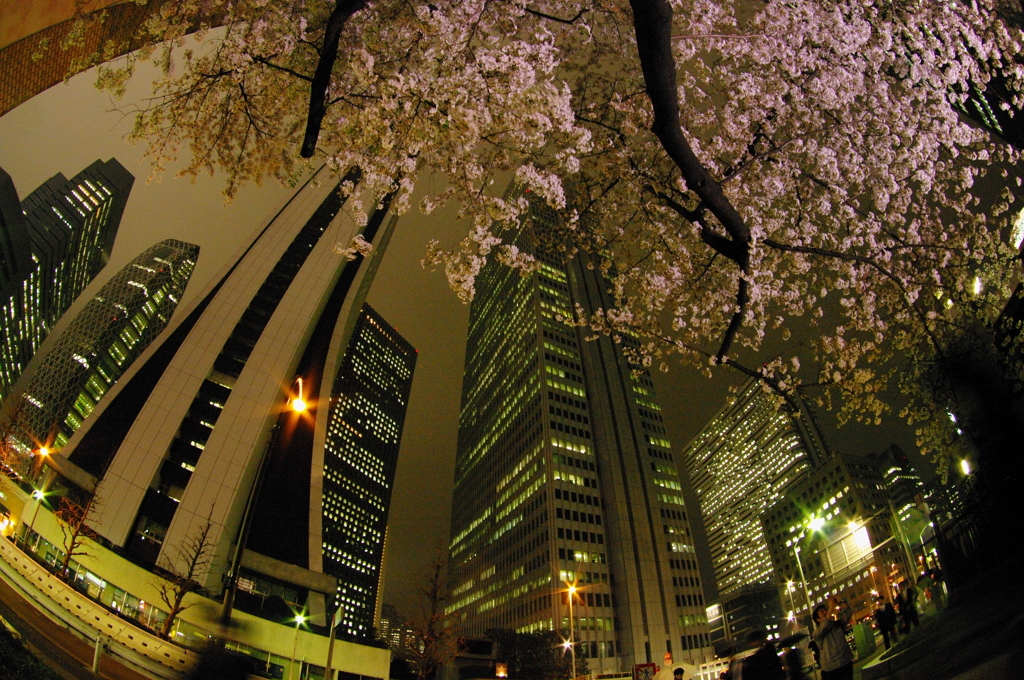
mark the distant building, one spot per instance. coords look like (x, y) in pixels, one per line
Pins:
(399, 637)
(903, 484)
(564, 475)
(101, 343)
(743, 461)
(855, 554)
(52, 246)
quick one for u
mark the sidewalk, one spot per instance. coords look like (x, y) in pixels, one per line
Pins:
(979, 635)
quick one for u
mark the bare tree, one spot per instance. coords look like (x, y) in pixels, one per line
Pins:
(183, 573)
(436, 641)
(12, 427)
(72, 518)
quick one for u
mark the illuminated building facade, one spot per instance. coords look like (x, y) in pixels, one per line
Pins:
(364, 429)
(903, 486)
(102, 341)
(204, 426)
(52, 246)
(564, 475)
(740, 463)
(837, 522)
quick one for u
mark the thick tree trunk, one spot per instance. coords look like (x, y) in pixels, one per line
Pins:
(343, 9)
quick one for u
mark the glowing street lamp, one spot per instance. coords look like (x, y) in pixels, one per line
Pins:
(37, 496)
(571, 643)
(813, 524)
(299, 403)
(37, 461)
(299, 620)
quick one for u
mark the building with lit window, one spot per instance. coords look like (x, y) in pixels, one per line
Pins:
(564, 475)
(745, 609)
(833, 534)
(364, 429)
(52, 245)
(740, 463)
(903, 485)
(247, 418)
(61, 388)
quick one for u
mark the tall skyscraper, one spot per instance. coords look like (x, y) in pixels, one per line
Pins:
(564, 475)
(364, 429)
(740, 463)
(99, 345)
(52, 247)
(903, 484)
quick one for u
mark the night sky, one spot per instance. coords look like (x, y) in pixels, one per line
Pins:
(71, 125)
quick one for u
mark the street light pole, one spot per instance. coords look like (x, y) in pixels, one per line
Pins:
(803, 581)
(572, 641)
(295, 647)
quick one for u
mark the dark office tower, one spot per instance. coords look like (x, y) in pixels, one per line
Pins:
(102, 341)
(57, 244)
(364, 429)
(740, 463)
(564, 474)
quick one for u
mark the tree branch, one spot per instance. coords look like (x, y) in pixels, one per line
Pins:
(652, 22)
(560, 20)
(343, 9)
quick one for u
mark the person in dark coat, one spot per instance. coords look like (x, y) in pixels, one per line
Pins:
(885, 619)
(793, 660)
(906, 602)
(763, 664)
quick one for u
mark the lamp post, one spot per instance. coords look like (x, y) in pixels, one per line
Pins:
(37, 496)
(572, 641)
(792, 605)
(803, 580)
(813, 524)
(299, 620)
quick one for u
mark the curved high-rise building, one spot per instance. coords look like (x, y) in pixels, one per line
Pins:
(205, 426)
(744, 460)
(100, 344)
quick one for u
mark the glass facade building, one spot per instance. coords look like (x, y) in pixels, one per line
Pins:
(52, 246)
(202, 430)
(740, 463)
(564, 475)
(102, 341)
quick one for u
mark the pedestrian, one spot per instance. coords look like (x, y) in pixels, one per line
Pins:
(885, 619)
(763, 664)
(907, 601)
(835, 656)
(901, 606)
(793, 660)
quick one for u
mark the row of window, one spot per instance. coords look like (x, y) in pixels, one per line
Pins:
(581, 536)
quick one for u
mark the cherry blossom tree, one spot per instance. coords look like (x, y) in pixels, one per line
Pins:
(741, 170)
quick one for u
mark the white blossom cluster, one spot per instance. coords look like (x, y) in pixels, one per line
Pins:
(849, 175)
